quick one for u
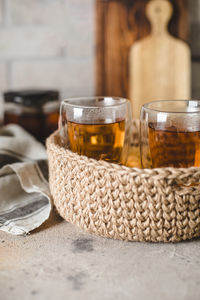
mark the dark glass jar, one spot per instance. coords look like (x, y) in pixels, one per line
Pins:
(37, 111)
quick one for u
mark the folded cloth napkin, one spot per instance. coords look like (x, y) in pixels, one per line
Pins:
(25, 201)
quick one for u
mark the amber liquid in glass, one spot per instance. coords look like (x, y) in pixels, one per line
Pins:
(100, 141)
(172, 148)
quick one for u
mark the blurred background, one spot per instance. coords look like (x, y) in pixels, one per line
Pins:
(47, 44)
(59, 44)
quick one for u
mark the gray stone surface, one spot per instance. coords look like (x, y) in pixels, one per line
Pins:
(59, 261)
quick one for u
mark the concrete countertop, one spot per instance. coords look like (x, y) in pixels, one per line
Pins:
(59, 261)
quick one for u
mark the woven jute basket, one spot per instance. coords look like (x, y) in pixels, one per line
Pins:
(158, 205)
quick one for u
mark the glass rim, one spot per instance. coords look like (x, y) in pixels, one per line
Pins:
(146, 106)
(76, 99)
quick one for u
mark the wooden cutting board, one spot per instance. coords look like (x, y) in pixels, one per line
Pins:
(159, 64)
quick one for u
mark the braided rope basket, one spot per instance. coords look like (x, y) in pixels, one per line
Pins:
(158, 205)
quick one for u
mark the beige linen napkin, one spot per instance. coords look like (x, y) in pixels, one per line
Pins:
(25, 201)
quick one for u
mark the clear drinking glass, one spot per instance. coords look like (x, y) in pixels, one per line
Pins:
(170, 134)
(98, 127)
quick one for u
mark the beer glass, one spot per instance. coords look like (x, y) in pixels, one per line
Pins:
(98, 127)
(170, 134)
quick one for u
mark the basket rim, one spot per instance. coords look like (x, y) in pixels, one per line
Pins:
(53, 141)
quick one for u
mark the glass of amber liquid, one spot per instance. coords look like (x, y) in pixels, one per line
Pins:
(97, 127)
(170, 134)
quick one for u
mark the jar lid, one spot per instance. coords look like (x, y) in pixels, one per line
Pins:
(31, 98)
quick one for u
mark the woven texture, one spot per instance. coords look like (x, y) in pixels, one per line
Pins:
(124, 203)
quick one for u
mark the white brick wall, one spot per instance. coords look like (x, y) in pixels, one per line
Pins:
(32, 42)
(47, 44)
(1, 12)
(62, 74)
(37, 12)
(3, 75)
